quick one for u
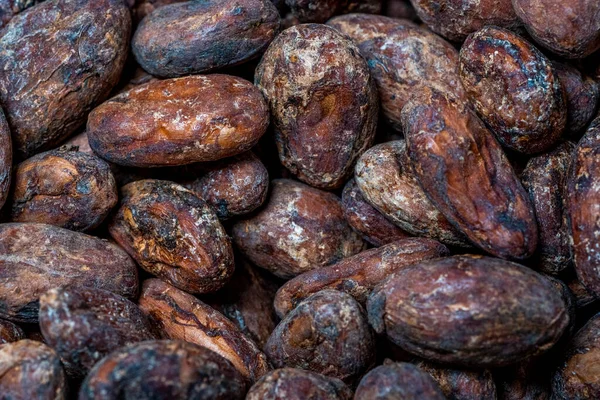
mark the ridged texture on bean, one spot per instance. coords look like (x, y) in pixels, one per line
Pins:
(10, 332)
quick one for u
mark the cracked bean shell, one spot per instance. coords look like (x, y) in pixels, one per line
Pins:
(327, 333)
(179, 121)
(35, 258)
(173, 234)
(323, 102)
(163, 369)
(514, 89)
(472, 311)
(195, 37)
(583, 199)
(10, 332)
(386, 179)
(83, 325)
(359, 274)
(180, 316)
(466, 175)
(300, 228)
(63, 187)
(47, 95)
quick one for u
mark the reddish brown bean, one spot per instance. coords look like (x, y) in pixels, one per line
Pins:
(163, 370)
(36, 257)
(466, 175)
(298, 384)
(359, 274)
(173, 234)
(31, 370)
(179, 121)
(327, 333)
(299, 229)
(459, 384)
(10, 332)
(5, 159)
(181, 316)
(323, 102)
(514, 90)
(47, 95)
(469, 310)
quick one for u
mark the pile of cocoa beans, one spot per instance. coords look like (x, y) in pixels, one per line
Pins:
(299, 199)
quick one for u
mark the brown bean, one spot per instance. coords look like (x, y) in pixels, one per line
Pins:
(459, 384)
(472, 311)
(173, 234)
(314, 10)
(83, 325)
(299, 229)
(181, 316)
(327, 333)
(163, 370)
(386, 179)
(179, 121)
(514, 90)
(372, 225)
(30, 370)
(235, 186)
(323, 102)
(581, 295)
(10, 8)
(47, 96)
(10, 332)
(141, 8)
(399, 9)
(397, 381)
(466, 175)
(545, 179)
(362, 6)
(528, 380)
(583, 188)
(568, 28)
(5, 159)
(359, 274)
(403, 59)
(63, 187)
(577, 377)
(36, 257)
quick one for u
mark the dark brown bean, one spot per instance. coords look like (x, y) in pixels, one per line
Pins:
(47, 96)
(583, 188)
(36, 257)
(514, 90)
(235, 186)
(359, 274)
(83, 325)
(467, 176)
(299, 229)
(30, 370)
(386, 179)
(469, 310)
(398, 381)
(568, 28)
(163, 370)
(528, 380)
(198, 37)
(581, 295)
(5, 159)
(314, 10)
(298, 384)
(173, 234)
(399, 9)
(403, 59)
(327, 333)
(179, 121)
(141, 8)
(372, 225)
(323, 102)
(578, 377)
(461, 384)
(63, 187)
(181, 316)
(10, 332)
(545, 178)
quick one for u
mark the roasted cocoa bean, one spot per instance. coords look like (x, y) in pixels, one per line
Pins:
(514, 90)
(179, 121)
(299, 229)
(57, 61)
(466, 175)
(181, 316)
(36, 257)
(359, 274)
(327, 333)
(173, 234)
(469, 310)
(323, 102)
(10, 332)
(460, 384)
(163, 370)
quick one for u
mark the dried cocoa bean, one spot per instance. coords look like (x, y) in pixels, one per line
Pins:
(5, 159)
(459, 384)
(10, 332)
(10, 8)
